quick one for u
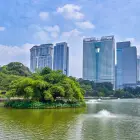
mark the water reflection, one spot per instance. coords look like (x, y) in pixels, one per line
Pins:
(104, 120)
(36, 124)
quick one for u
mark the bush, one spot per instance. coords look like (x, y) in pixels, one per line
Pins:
(26, 104)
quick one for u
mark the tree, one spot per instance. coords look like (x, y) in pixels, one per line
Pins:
(119, 93)
(47, 85)
(101, 94)
(57, 91)
(15, 68)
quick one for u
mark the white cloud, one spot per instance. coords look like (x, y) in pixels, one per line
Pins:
(85, 25)
(15, 54)
(41, 35)
(2, 28)
(53, 30)
(45, 33)
(71, 11)
(44, 15)
(71, 33)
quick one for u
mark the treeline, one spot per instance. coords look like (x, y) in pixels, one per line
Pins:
(106, 90)
(128, 92)
(96, 89)
(16, 71)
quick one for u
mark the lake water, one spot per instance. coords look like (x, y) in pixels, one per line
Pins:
(101, 120)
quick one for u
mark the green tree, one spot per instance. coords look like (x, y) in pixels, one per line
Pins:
(15, 68)
(47, 85)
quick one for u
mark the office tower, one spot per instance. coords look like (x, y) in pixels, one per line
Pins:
(138, 68)
(126, 64)
(41, 56)
(61, 58)
(99, 59)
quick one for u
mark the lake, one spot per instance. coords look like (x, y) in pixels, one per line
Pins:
(101, 120)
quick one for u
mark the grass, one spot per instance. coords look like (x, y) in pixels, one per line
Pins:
(22, 104)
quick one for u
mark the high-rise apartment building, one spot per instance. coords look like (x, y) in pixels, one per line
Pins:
(126, 64)
(138, 68)
(41, 56)
(61, 58)
(99, 59)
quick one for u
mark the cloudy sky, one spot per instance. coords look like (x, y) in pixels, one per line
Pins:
(24, 23)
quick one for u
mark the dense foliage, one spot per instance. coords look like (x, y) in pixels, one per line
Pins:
(5, 80)
(128, 92)
(15, 68)
(46, 85)
(29, 104)
(96, 89)
(106, 90)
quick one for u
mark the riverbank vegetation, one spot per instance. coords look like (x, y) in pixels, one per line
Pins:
(47, 88)
(106, 90)
(44, 89)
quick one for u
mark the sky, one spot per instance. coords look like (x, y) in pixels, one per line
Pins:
(24, 23)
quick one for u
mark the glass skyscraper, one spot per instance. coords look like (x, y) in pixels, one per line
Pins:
(126, 64)
(41, 56)
(99, 59)
(138, 68)
(61, 58)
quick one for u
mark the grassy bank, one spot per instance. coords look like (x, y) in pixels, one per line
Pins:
(20, 104)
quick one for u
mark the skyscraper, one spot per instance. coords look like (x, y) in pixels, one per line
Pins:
(138, 68)
(61, 58)
(41, 56)
(99, 59)
(126, 64)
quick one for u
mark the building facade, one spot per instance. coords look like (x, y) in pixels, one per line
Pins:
(61, 58)
(138, 68)
(41, 56)
(126, 64)
(99, 59)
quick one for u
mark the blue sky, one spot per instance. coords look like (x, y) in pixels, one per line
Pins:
(24, 23)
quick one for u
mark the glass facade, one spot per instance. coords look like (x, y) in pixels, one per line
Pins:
(41, 56)
(138, 68)
(61, 58)
(99, 59)
(126, 64)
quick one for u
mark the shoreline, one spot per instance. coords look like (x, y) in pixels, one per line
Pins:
(23, 104)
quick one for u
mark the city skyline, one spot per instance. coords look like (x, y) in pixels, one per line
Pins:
(56, 57)
(32, 22)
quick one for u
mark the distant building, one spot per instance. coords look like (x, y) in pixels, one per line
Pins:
(138, 68)
(126, 64)
(41, 56)
(99, 59)
(61, 58)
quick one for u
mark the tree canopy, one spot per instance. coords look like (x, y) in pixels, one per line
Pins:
(96, 89)
(47, 85)
(15, 68)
